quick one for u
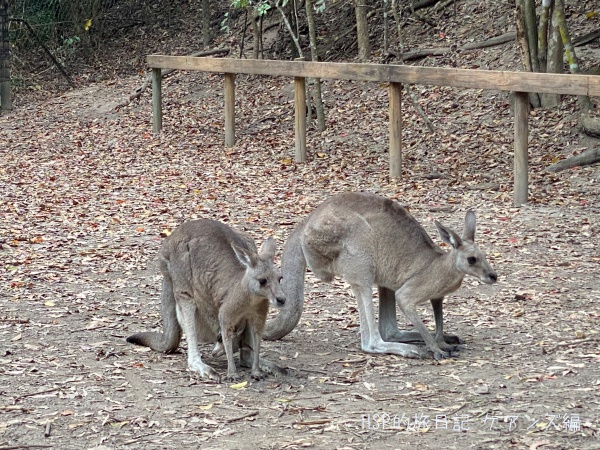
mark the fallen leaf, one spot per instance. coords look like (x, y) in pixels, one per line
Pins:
(241, 385)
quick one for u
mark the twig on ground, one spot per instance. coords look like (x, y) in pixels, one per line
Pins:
(245, 416)
(569, 344)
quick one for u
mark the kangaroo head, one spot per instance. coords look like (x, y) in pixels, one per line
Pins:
(262, 276)
(468, 258)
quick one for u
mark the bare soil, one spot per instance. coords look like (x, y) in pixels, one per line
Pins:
(88, 193)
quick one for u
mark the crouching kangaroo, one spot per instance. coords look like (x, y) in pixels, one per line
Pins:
(367, 239)
(215, 282)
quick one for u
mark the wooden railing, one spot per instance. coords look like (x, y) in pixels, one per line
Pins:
(521, 83)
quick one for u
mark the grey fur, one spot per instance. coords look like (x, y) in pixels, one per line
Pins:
(215, 281)
(370, 240)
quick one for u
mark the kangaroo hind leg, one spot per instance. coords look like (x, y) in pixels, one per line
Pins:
(181, 273)
(186, 313)
(370, 336)
(445, 341)
(388, 323)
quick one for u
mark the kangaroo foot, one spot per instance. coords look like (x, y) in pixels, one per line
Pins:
(411, 337)
(205, 371)
(233, 376)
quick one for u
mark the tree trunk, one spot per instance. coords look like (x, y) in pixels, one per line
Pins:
(398, 26)
(386, 26)
(362, 30)
(584, 101)
(256, 31)
(532, 31)
(314, 52)
(590, 156)
(205, 22)
(522, 39)
(5, 94)
(554, 55)
(545, 18)
(290, 30)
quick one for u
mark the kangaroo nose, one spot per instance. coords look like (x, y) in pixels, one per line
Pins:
(280, 301)
(493, 277)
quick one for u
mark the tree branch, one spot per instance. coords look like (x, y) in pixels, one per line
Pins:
(48, 52)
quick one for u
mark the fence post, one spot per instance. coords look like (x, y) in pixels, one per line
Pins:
(395, 93)
(521, 147)
(156, 99)
(300, 118)
(229, 110)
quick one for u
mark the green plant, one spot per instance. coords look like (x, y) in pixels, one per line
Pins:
(261, 7)
(70, 42)
(224, 25)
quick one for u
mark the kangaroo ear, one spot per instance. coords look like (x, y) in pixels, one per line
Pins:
(469, 231)
(245, 256)
(448, 236)
(268, 249)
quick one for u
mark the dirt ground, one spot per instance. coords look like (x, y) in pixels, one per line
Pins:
(85, 200)
(88, 193)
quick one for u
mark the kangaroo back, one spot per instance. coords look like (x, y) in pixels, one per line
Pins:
(210, 262)
(194, 248)
(367, 239)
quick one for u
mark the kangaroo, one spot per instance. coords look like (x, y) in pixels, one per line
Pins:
(215, 282)
(370, 240)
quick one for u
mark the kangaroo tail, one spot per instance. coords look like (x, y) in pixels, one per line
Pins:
(293, 268)
(168, 341)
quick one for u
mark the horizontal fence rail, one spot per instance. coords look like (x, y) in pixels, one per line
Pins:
(438, 76)
(521, 83)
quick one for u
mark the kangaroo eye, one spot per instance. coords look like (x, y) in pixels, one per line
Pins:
(263, 282)
(472, 260)
(280, 279)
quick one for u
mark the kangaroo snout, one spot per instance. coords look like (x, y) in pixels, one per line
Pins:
(491, 278)
(280, 301)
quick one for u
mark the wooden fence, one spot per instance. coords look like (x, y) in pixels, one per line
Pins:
(521, 83)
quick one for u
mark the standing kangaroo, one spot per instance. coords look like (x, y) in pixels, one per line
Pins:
(215, 282)
(367, 239)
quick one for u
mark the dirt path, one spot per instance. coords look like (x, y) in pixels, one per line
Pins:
(87, 192)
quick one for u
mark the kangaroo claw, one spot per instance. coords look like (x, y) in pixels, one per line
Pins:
(235, 376)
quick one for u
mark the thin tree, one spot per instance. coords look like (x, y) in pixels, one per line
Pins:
(5, 94)
(314, 53)
(398, 26)
(386, 26)
(205, 22)
(256, 32)
(584, 101)
(362, 30)
(550, 51)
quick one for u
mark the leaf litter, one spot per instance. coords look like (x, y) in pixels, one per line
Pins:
(88, 198)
